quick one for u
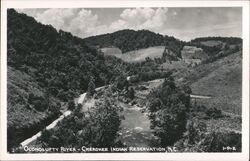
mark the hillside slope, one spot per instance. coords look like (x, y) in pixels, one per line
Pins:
(129, 40)
(224, 84)
(29, 108)
(221, 79)
(46, 69)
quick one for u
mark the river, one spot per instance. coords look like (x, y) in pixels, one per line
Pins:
(135, 127)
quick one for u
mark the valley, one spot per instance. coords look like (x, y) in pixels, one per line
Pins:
(123, 89)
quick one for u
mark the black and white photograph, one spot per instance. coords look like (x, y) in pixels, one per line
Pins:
(125, 80)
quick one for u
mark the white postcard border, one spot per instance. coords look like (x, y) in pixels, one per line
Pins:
(121, 4)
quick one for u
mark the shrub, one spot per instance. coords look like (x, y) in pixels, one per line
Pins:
(71, 105)
(131, 93)
(219, 141)
(91, 87)
(213, 113)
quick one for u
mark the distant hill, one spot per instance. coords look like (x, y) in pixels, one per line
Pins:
(129, 40)
(126, 42)
(216, 46)
(228, 40)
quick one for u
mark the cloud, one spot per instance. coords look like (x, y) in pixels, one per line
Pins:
(141, 18)
(84, 23)
(80, 22)
(183, 23)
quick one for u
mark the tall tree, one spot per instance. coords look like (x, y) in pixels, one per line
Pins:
(168, 108)
(91, 87)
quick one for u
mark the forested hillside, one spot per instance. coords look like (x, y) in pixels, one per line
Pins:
(44, 63)
(217, 47)
(129, 40)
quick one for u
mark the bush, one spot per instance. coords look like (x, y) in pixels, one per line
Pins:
(121, 82)
(197, 139)
(219, 141)
(214, 113)
(39, 102)
(131, 93)
(71, 105)
(91, 87)
(40, 105)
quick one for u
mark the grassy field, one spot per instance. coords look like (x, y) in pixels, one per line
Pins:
(175, 65)
(212, 43)
(136, 55)
(222, 81)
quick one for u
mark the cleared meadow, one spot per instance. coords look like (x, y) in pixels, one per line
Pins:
(135, 55)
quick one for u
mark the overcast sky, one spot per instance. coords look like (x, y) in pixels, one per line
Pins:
(183, 23)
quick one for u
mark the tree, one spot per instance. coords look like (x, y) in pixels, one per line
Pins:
(131, 93)
(168, 108)
(71, 105)
(97, 127)
(105, 123)
(121, 82)
(91, 87)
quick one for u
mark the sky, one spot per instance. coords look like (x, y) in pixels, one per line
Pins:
(182, 23)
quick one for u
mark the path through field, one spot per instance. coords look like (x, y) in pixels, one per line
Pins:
(199, 96)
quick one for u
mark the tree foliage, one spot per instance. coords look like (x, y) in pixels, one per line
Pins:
(91, 87)
(128, 40)
(168, 108)
(197, 138)
(96, 127)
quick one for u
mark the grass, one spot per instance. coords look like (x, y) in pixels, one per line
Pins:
(223, 81)
(211, 43)
(224, 124)
(176, 65)
(135, 55)
(192, 52)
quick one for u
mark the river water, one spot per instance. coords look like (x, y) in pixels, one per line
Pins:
(135, 128)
